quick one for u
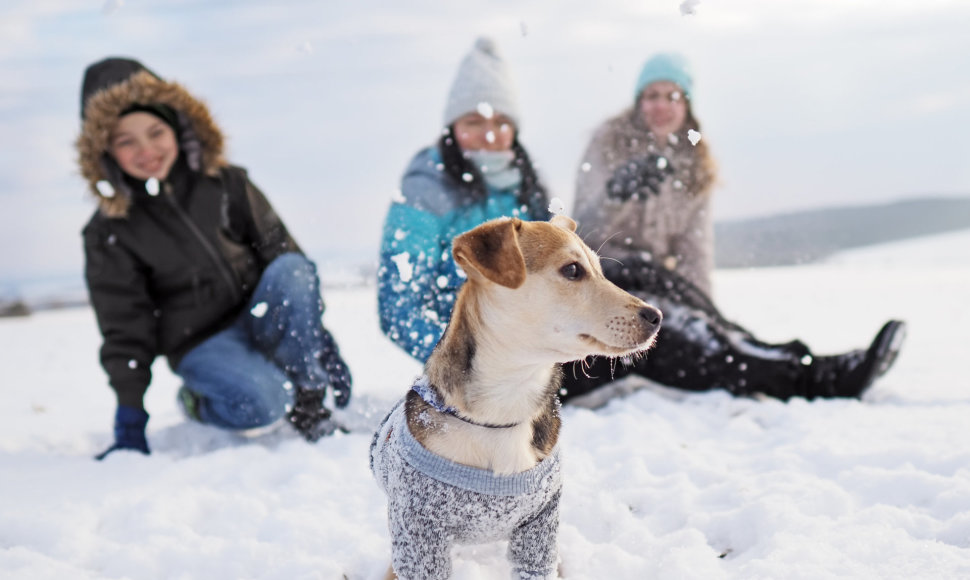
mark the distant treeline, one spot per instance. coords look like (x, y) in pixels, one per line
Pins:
(781, 240)
(808, 236)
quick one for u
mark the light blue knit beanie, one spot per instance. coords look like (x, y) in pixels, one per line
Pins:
(667, 66)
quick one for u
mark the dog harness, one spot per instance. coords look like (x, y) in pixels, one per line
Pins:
(434, 503)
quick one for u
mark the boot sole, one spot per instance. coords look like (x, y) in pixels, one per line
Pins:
(889, 346)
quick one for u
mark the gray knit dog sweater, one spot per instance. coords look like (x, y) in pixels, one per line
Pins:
(433, 503)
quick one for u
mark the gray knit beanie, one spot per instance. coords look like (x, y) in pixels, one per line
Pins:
(483, 81)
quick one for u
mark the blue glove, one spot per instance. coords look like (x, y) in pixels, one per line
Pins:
(129, 431)
(340, 379)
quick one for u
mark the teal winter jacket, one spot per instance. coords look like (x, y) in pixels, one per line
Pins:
(418, 280)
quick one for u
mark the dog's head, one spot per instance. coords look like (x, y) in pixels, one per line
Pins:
(541, 289)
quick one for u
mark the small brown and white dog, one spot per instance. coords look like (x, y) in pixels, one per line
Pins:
(470, 453)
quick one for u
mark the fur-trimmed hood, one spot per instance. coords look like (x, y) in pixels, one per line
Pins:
(200, 139)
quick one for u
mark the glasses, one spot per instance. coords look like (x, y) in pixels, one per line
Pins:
(656, 97)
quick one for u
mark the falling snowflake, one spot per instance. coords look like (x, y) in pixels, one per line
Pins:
(112, 6)
(259, 310)
(404, 268)
(105, 188)
(586, 167)
(485, 110)
(693, 136)
(687, 7)
(556, 206)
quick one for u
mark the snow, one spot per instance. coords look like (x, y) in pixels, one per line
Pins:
(556, 206)
(259, 310)
(689, 7)
(658, 484)
(404, 267)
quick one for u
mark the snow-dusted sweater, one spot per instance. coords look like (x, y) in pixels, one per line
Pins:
(672, 228)
(434, 503)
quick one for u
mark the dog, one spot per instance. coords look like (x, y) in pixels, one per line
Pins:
(470, 454)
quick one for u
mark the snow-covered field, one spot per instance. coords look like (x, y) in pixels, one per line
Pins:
(659, 484)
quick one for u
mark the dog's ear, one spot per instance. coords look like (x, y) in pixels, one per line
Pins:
(563, 222)
(491, 251)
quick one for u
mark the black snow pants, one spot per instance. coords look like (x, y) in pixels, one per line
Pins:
(697, 349)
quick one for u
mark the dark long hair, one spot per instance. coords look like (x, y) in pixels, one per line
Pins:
(531, 194)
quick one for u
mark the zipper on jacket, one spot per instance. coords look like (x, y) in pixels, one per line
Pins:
(221, 266)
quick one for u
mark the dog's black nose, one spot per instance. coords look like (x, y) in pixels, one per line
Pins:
(651, 316)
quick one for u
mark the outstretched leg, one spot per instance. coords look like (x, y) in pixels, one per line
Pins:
(698, 349)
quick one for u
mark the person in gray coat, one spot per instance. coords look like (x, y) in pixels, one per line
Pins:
(643, 195)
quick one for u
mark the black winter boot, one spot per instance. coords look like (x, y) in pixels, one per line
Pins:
(309, 417)
(850, 374)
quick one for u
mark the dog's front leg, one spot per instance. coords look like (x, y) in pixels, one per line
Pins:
(419, 548)
(533, 547)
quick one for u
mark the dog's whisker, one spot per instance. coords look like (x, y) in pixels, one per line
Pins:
(611, 258)
(604, 241)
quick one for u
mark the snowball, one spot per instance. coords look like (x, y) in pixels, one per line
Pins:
(693, 136)
(259, 310)
(404, 268)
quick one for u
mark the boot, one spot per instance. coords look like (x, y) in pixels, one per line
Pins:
(309, 417)
(850, 374)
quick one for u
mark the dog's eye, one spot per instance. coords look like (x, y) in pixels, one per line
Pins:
(572, 271)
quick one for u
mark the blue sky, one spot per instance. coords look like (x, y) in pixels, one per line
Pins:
(805, 103)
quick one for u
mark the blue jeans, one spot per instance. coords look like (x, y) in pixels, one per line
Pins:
(244, 376)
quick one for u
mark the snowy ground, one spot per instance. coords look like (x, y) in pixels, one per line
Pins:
(658, 485)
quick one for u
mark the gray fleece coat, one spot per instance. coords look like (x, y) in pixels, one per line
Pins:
(672, 228)
(434, 503)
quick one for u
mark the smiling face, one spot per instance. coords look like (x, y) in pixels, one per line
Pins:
(144, 146)
(663, 108)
